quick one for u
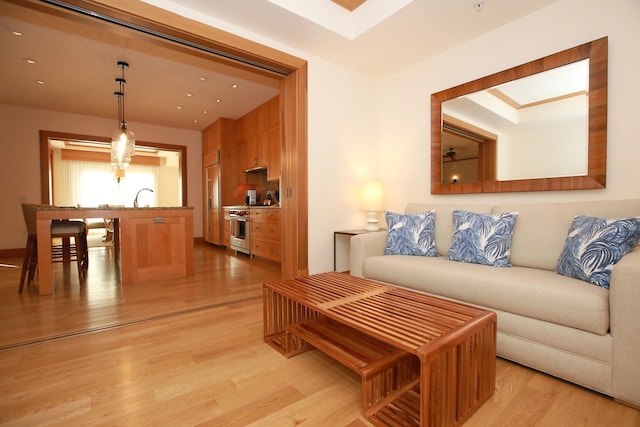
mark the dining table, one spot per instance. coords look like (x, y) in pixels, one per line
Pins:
(150, 243)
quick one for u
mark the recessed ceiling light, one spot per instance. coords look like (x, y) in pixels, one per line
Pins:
(40, 82)
(204, 111)
(218, 100)
(29, 60)
(235, 85)
(195, 121)
(203, 79)
(189, 94)
(16, 33)
(179, 107)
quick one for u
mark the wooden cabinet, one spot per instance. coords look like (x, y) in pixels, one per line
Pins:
(226, 229)
(211, 144)
(260, 134)
(149, 243)
(257, 152)
(250, 124)
(219, 175)
(275, 169)
(213, 205)
(253, 152)
(265, 233)
(157, 247)
(262, 150)
(274, 112)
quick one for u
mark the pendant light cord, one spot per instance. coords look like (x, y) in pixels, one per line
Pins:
(120, 94)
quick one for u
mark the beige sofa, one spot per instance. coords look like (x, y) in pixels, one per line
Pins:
(566, 327)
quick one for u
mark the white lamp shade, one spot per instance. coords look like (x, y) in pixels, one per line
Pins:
(372, 196)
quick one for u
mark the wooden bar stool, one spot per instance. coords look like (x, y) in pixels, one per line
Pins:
(64, 252)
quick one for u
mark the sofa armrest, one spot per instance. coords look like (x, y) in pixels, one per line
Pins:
(365, 245)
(624, 303)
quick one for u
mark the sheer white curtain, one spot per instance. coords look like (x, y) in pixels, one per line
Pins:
(91, 184)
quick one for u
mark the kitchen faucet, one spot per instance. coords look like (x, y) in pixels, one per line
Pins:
(135, 201)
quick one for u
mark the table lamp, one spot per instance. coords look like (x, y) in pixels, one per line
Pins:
(372, 201)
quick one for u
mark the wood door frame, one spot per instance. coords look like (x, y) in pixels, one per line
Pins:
(291, 71)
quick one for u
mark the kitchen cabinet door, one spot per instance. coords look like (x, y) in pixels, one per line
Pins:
(265, 233)
(226, 232)
(211, 144)
(275, 169)
(213, 209)
(262, 150)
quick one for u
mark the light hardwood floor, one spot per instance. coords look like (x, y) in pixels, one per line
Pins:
(190, 352)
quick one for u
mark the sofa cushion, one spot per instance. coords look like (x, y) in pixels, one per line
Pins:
(412, 234)
(595, 245)
(482, 238)
(444, 221)
(536, 293)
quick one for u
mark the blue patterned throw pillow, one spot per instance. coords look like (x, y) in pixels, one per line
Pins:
(595, 245)
(411, 234)
(482, 238)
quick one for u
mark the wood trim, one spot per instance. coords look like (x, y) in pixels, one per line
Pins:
(597, 53)
(294, 201)
(166, 23)
(46, 161)
(293, 88)
(97, 156)
(485, 140)
(350, 5)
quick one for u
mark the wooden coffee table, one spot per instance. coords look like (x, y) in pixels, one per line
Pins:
(423, 360)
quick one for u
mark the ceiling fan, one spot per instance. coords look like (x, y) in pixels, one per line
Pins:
(451, 154)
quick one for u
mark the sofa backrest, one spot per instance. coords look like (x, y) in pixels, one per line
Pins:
(444, 220)
(540, 229)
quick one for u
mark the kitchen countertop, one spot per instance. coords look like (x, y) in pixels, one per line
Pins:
(252, 207)
(136, 235)
(107, 208)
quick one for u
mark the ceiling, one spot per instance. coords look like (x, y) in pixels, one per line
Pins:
(77, 62)
(78, 68)
(402, 36)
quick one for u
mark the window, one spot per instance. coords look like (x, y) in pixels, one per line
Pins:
(87, 183)
(161, 167)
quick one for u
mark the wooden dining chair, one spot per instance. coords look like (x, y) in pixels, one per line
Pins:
(62, 251)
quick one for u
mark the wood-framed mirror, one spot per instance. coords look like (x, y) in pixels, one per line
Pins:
(480, 129)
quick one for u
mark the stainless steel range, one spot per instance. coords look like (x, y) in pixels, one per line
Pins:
(240, 229)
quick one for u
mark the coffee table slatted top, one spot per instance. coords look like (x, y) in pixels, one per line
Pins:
(409, 320)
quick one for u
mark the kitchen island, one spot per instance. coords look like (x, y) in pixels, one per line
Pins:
(149, 243)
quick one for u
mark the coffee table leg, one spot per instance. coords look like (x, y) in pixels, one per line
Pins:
(280, 313)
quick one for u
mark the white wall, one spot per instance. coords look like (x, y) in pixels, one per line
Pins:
(404, 98)
(541, 151)
(342, 154)
(20, 160)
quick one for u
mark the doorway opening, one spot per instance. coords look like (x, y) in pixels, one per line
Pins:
(139, 22)
(468, 153)
(78, 171)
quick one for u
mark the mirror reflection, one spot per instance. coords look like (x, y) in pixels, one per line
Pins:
(537, 126)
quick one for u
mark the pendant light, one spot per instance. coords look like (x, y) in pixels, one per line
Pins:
(122, 141)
